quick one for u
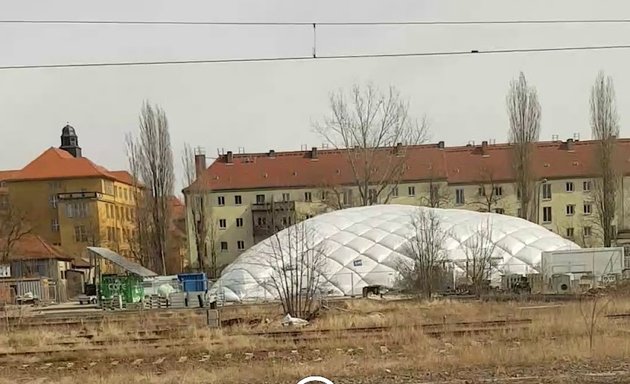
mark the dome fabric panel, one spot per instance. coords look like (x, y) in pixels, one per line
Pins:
(363, 245)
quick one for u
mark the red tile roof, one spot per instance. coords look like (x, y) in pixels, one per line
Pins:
(468, 164)
(298, 169)
(33, 247)
(55, 163)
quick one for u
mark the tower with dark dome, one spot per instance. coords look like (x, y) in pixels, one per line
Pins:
(70, 141)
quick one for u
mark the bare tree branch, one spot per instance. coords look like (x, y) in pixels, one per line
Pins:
(605, 129)
(203, 225)
(524, 112)
(490, 191)
(479, 250)
(151, 158)
(366, 125)
(297, 265)
(14, 225)
(427, 252)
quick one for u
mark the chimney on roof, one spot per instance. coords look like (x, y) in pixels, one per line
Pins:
(229, 158)
(569, 144)
(314, 153)
(200, 161)
(440, 144)
(272, 153)
(398, 149)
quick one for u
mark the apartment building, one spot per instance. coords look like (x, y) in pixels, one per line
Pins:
(70, 201)
(242, 189)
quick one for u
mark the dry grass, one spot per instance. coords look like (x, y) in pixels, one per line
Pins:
(556, 336)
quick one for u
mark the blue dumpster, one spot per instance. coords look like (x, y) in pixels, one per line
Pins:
(193, 282)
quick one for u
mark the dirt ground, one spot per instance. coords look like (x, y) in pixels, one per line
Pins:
(554, 346)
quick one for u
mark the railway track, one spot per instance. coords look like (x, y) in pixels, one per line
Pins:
(159, 337)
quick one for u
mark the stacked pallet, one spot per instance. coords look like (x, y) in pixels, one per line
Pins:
(155, 302)
(177, 299)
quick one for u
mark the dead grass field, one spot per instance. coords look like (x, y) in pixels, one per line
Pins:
(556, 343)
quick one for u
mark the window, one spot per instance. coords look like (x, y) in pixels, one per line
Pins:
(222, 223)
(80, 235)
(116, 191)
(52, 200)
(118, 213)
(518, 193)
(546, 214)
(126, 194)
(586, 231)
(260, 199)
(570, 209)
(500, 211)
(128, 213)
(481, 191)
(239, 222)
(221, 200)
(459, 196)
(54, 225)
(224, 246)
(519, 212)
(324, 195)
(285, 221)
(588, 208)
(240, 245)
(412, 191)
(286, 196)
(498, 191)
(262, 221)
(347, 197)
(546, 191)
(587, 185)
(307, 196)
(238, 200)
(108, 186)
(570, 232)
(76, 210)
(395, 192)
(372, 196)
(4, 201)
(569, 186)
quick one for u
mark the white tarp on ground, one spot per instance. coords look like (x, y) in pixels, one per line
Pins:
(363, 247)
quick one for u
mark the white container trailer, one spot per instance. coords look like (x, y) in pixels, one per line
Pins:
(595, 265)
(594, 261)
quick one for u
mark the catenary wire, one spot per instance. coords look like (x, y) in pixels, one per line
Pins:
(324, 23)
(311, 58)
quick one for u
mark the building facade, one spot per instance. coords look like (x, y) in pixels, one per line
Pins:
(71, 202)
(249, 196)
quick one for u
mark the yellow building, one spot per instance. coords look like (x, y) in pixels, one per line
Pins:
(72, 202)
(241, 189)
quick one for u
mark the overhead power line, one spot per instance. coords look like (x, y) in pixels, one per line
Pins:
(310, 23)
(312, 58)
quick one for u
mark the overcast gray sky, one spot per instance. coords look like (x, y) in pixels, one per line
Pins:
(261, 106)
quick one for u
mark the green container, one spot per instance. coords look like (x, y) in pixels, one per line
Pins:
(129, 287)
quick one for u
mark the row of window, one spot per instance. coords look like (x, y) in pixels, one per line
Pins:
(587, 209)
(77, 209)
(116, 212)
(496, 191)
(118, 234)
(122, 193)
(240, 245)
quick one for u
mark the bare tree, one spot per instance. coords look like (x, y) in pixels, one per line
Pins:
(151, 159)
(374, 129)
(297, 263)
(524, 112)
(591, 309)
(437, 193)
(427, 252)
(14, 225)
(204, 228)
(490, 191)
(479, 249)
(605, 130)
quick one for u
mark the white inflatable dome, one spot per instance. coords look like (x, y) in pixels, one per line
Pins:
(363, 247)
